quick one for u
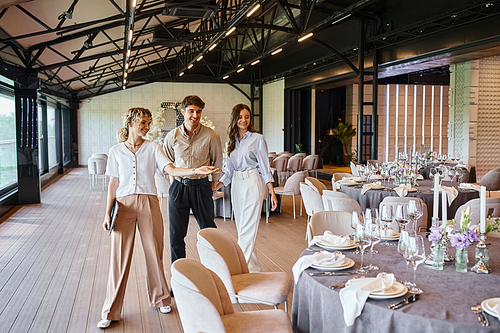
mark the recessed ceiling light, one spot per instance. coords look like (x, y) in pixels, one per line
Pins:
(257, 6)
(255, 62)
(230, 31)
(276, 51)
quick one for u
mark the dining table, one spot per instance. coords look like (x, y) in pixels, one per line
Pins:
(468, 176)
(444, 306)
(373, 197)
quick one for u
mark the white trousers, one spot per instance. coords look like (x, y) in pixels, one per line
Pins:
(248, 191)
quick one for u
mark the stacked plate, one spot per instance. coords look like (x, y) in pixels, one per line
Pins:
(348, 263)
(396, 290)
(391, 237)
(330, 246)
(488, 305)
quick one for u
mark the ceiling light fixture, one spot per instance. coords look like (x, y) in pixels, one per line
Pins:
(230, 31)
(225, 77)
(199, 58)
(181, 73)
(126, 65)
(255, 62)
(212, 47)
(340, 19)
(124, 87)
(128, 53)
(240, 70)
(125, 74)
(276, 51)
(134, 3)
(257, 6)
(305, 37)
(130, 34)
(190, 66)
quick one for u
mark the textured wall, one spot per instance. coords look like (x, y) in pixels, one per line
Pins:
(273, 115)
(99, 119)
(488, 116)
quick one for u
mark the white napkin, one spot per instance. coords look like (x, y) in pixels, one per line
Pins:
(323, 257)
(464, 166)
(353, 296)
(451, 193)
(330, 238)
(356, 179)
(470, 186)
(366, 187)
(376, 177)
(403, 189)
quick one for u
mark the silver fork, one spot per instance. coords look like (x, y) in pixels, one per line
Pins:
(477, 310)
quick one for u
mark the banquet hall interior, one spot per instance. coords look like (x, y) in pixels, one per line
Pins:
(348, 85)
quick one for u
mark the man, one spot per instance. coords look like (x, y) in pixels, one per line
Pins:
(191, 145)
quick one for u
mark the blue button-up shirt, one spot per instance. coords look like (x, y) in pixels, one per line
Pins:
(249, 153)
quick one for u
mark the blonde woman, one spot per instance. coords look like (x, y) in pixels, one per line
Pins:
(248, 171)
(131, 167)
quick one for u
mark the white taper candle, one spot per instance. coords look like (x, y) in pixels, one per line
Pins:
(482, 210)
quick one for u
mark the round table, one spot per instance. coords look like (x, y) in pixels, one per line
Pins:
(373, 198)
(444, 306)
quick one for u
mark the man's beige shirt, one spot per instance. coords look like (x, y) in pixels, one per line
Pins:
(203, 148)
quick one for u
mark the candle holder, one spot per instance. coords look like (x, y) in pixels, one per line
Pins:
(446, 255)
(482, 265)
(430, 258)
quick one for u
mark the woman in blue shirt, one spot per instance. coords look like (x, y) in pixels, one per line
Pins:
(247, 168)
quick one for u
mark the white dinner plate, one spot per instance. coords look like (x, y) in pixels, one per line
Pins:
(347, 264)
(488, 305)
(335, 247)
(377, 188)
(349, 183)
(396, 288)
(395, 237)
(402, 291)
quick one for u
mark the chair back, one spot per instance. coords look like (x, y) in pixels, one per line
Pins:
(491, 180)
(338, 223)
(341, 204)
(301, 154)
(97, 165)
(280, 163)
(374, 162)
(394, 201)
(308, 162)
(271, 161)
(162, 185)
(312, 199)
(316, 161)
(295, 163)
(354, 169)
(340, 175)
(100, 156)
(292, 183)
(92, 165)
(200, 297)
(492, 208)
(329, 198)
(315, 184)
(283, 152)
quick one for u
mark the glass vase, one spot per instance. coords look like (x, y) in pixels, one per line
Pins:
(438, 257)
(461, 259)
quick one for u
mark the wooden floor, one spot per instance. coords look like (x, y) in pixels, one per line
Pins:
(54, 262)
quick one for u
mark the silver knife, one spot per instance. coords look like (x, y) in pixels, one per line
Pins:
(404, 302)
(329, 273)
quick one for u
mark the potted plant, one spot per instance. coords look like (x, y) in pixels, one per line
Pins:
(344, 133)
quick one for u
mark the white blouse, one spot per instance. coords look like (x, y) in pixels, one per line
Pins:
(136, 172)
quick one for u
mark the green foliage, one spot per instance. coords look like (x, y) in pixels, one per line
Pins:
(344, 133)
(298, 148)
(494, 225)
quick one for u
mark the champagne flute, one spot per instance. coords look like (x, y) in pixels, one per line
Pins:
(417, 256)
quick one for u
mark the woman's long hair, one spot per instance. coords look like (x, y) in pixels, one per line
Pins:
(130, 117)
(232, 130)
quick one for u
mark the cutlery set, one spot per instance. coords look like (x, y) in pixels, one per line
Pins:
(481, 316)
(330, 273)
(405, 301)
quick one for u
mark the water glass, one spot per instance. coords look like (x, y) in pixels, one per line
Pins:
(416, 253)
(362, 241)
(386, 218)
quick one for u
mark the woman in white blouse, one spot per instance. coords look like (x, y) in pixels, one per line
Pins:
(131, 167)
(247, 168)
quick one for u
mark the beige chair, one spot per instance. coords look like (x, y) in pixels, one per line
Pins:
(315, 184)
(96, 167)
(220, 195)
(271, 161)
(162, 187)
(339, 176)
(329, 198)
(491, 180)
(204, 304)
(310, 163)
(492, 208)
(280, 164)
(338, 223)
(221, 253)
(283, 153)
(341, 204)
(294, 164)
(292, 188)
(394, 201)
(312, 200)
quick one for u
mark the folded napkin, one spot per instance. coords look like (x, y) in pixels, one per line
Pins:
(388, 233)
(366, 187)
(353, 296)
(464, 166)
(403, 189)
(356, 179)
(330, 238)
(470, 186)
(451, 193)
(323, 257)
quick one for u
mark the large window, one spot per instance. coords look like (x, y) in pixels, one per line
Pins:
(51, 133)
(8, 156)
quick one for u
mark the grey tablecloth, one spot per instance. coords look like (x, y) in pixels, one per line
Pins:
(443, 307)
(373, 198)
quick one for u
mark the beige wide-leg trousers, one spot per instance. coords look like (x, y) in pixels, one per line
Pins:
(144, 211)
(248, 192)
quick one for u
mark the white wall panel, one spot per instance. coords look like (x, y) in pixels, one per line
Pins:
(273, 115)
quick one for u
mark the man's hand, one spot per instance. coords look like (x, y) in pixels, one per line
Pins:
(206, 170)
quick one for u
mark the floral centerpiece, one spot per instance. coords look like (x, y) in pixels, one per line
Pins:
(439, 238)
(403, 174)
(155, 132)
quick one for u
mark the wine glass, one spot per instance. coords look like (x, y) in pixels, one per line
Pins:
(385, 219)
(459, 174)
(373, 230)
(362, 170)
(414, 210)
(362, 241)
(354, 224)
(416, 253)
(432, 173)
(401, 216)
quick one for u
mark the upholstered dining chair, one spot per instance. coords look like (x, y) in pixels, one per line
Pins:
(341, 204)
(492, 208)
(96, 167)
(491, 180)
(162, 186)
(280, 164)
(294, 164)
(310, 163)
(312, 200)
(339, 176)
(204, 304)
(338, 223)
(283, 153)
(292, 188)
(394, 201)
(315, 184)
(221, 253)
(329, 197)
